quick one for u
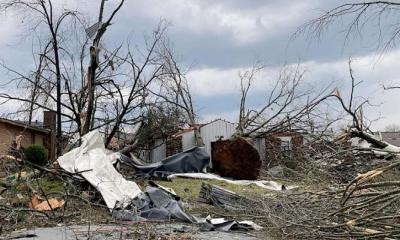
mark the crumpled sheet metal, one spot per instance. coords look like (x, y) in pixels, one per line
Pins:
(221, 224)
(194, 160)
(158, 204)
(270, 185)
(94, 163)
(154, 204)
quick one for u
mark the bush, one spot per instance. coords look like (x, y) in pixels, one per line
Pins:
(36, 154)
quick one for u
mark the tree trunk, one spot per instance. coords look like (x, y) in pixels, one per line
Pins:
(58, 77)
(90, 86)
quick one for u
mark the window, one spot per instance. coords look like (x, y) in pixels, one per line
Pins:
(286, 145)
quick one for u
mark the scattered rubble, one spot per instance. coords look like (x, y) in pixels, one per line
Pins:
(124, 198)
(364, 207)
(218, 196)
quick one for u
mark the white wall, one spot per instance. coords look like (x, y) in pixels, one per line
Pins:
(188, 140)
(214, 130)
(260, 146)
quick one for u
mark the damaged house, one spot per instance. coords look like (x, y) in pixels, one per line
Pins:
(268, 146)
(185, 139)
(283, 148)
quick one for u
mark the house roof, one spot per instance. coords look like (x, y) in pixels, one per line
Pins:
(33, 127)
(390, 137)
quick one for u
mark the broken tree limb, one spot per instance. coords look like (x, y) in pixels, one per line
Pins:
(369, 139)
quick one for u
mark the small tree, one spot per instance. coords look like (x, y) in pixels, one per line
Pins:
(36, 154)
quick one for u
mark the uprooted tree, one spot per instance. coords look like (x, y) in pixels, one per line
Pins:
(288, 107)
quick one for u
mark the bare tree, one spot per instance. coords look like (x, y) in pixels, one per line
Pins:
(143, 72)
(287, 106)
(360, 126)
(45, 14)
(358, 19)
(121, 89)
(246, 79)
(174, 89)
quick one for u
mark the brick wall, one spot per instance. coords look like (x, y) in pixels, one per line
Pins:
(8, 132)
(274, 154)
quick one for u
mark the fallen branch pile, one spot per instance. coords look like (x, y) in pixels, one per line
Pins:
(363, 209)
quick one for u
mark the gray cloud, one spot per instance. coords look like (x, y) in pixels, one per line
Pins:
(218, 38)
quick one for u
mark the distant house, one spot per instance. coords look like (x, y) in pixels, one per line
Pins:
(35, 133)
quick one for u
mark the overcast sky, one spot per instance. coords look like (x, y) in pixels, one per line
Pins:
(217, 39)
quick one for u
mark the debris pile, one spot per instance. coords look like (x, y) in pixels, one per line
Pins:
(218, 196)
(124, 198)
(366, 207)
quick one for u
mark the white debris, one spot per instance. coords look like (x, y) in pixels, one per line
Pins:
(94, 163)
(270, 185)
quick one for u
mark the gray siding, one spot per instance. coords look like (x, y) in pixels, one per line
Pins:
(155, 155)
(159, 152)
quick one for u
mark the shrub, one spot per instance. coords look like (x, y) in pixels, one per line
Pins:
(36, 154)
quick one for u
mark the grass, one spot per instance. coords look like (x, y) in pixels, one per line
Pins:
(188, 189)
(50, 185)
